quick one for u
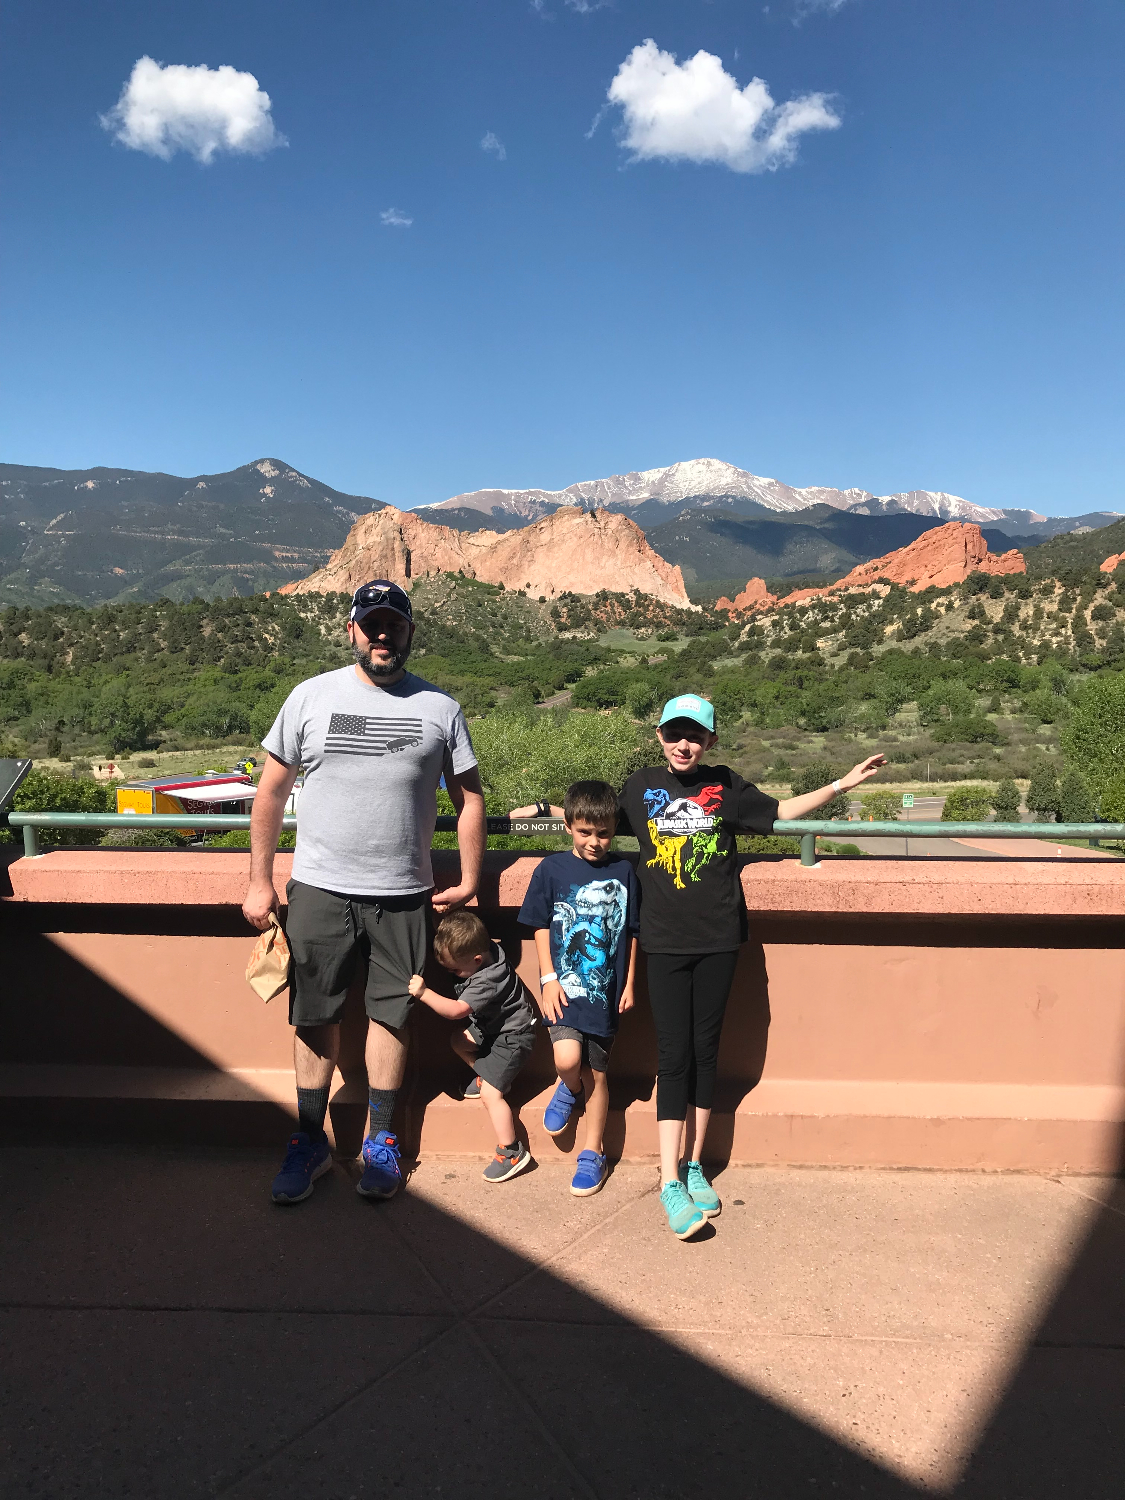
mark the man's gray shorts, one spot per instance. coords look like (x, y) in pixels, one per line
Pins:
(331, 934)
(500, 1058)
(595, 1049)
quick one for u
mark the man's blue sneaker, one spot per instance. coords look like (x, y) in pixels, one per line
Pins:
(590, 1174)
(304, 1163)
(557, 1114)
(684, 1219)
(382, 1175)
(703, 1195)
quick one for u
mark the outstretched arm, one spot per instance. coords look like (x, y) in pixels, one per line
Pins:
(801, 807)
(452, 1010)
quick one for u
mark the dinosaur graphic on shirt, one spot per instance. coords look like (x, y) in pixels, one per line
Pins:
(674, 822)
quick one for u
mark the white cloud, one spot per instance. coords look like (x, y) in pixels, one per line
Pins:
(199, 110)
(394, 218)
(803, 8)
(695, 111)
(492, 143)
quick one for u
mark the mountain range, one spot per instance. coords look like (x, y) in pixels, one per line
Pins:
(654, 497)
(90, 535)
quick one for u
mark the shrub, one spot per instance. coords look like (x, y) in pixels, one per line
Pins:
(42, 792)
(967, 804)
(1006, 801)
(883, 807)
(815, 775)
(975, 730)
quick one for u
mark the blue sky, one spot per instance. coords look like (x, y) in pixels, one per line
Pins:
(929, 295)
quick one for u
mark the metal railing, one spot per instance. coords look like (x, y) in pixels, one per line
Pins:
(806, 830)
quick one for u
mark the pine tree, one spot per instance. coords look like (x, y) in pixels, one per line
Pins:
(1043, 793)
(1075, 802)
(1005, 801)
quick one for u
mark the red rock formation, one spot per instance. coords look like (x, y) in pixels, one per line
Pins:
(754, 596)
(1111, 562)
(573, 551)
(938, 558)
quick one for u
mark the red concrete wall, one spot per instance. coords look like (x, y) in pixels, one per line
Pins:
(886, 1012)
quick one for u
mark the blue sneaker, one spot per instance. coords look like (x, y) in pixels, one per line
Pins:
(684, 1219)
(590, 1174)
(556, 1116)
(303, 1164)
(382, 1175)
(703, 1195)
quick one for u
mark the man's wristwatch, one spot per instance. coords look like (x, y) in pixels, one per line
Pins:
(542, 809)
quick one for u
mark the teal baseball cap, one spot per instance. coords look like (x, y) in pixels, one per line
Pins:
(688, 706)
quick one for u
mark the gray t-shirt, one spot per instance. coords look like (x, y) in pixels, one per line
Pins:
(373, 759)
(497, 996)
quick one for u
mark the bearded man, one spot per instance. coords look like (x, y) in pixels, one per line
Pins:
(375, 742)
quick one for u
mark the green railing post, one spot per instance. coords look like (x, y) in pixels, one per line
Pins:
(808, 849)
(30, 841)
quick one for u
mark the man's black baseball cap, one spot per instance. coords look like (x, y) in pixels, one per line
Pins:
(380, 594)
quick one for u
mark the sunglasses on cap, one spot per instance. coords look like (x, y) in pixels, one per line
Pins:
(380, 596)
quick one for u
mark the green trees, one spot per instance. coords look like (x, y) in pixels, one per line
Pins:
(1006, 801)
(42, 792)
(1043, 793)
(967, 804)
(1076, 804)
(1094, 737)
(819, 773)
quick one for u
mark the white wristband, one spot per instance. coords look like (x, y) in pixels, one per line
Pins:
(836, 787)
(546, 978)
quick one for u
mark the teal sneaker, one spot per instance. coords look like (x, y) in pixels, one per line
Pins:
(703, 1195)
(684, 1219)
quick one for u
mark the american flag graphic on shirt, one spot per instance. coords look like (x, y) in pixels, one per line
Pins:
(353, 734)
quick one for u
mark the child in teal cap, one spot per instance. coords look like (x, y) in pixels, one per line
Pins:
(685, 815)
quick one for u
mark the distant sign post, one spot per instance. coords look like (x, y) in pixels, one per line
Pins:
(908, 799)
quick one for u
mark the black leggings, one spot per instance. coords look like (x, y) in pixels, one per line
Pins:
(688, 994)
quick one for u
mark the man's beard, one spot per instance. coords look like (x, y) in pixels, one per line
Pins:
(375, 670)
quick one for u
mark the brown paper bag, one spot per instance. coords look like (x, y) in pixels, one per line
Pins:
(267, 973)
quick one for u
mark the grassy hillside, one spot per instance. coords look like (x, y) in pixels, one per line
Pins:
(969, 682)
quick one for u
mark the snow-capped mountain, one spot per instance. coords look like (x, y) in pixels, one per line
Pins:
(709, 481)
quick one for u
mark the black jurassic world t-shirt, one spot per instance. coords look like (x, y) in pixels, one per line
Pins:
(692, 896)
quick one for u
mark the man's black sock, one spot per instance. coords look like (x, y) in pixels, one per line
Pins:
(312, 1106)
(382, 1104)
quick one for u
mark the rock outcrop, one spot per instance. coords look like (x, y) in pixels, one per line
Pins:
(754, 596)
(570, 551)
(938, 558)
(1111, 562)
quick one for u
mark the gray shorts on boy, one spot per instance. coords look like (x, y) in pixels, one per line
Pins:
(595, 1049)
(500, 1057)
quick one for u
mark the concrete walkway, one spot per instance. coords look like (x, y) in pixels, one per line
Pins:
(168, 1332)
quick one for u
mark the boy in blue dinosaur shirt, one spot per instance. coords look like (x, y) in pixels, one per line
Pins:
(584, 906)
